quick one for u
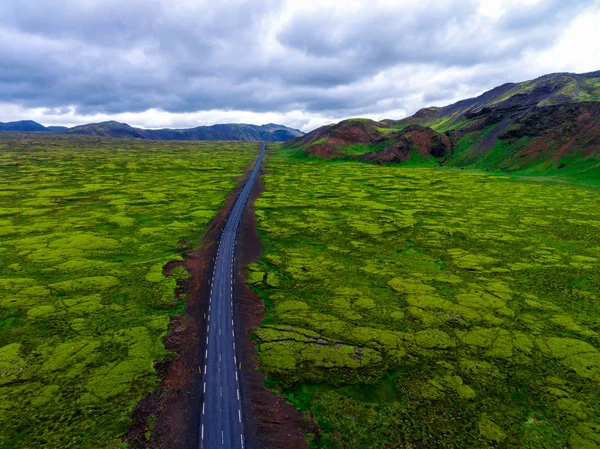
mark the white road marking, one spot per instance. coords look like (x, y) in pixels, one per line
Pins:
(228, 240)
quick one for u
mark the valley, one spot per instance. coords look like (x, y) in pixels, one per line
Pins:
(424, 282)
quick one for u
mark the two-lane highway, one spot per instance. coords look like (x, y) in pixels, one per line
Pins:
(221, 421)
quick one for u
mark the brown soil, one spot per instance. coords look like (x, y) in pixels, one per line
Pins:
(169, 418)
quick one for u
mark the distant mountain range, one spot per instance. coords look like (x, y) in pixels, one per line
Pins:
(28, 126)
(232, 131)
(550, 123)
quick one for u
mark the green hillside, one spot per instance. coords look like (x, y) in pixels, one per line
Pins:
(550, 125)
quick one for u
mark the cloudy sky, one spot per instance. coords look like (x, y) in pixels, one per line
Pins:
(302, 63)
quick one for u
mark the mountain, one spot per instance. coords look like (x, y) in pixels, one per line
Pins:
(108, 129)
(22, 126)
(547, 124)
(233, 131)
(547, 91)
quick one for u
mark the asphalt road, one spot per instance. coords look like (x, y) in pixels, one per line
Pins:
(221, 421)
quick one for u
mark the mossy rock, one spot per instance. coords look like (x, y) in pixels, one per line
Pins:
(85, 264)
(256, 277)
(46, 395)
(180, 274)
(490, 430)
(14, 285)
(497, 342)
(578, 410)
(122, 220)
(12, 364)
(273, 280)
(464, 259)
(116, 379)
(433, 339)
(85, 241)
(411, 286)
(40, 311)
(72, 356)
(343, 307)
(84, 305)
(93, 283)
(291, 306)
(561, 348)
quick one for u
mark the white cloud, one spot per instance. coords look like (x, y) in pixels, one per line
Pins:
(578, 48)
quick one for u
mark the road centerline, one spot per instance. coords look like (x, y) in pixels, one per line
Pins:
(221, 420)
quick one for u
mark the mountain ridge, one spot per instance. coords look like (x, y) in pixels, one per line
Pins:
(542, 125)
(230, 131)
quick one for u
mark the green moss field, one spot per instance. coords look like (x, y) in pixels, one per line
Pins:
(86, 226)
(411, 307)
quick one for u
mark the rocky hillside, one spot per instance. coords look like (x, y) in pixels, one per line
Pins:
(547, 124)
(337, 140)
(368, 140)
(233, 131)
(546, 91)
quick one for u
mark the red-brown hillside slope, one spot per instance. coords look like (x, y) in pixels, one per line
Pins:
(372, 141)
(547, 124)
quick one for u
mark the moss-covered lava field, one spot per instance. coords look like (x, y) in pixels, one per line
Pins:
(86, 227)
(416, 307)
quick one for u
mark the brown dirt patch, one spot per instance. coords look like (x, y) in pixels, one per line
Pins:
(422, 140)
(169, 418)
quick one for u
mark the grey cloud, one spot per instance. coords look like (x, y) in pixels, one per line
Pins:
(129, 56)
(447, 33)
